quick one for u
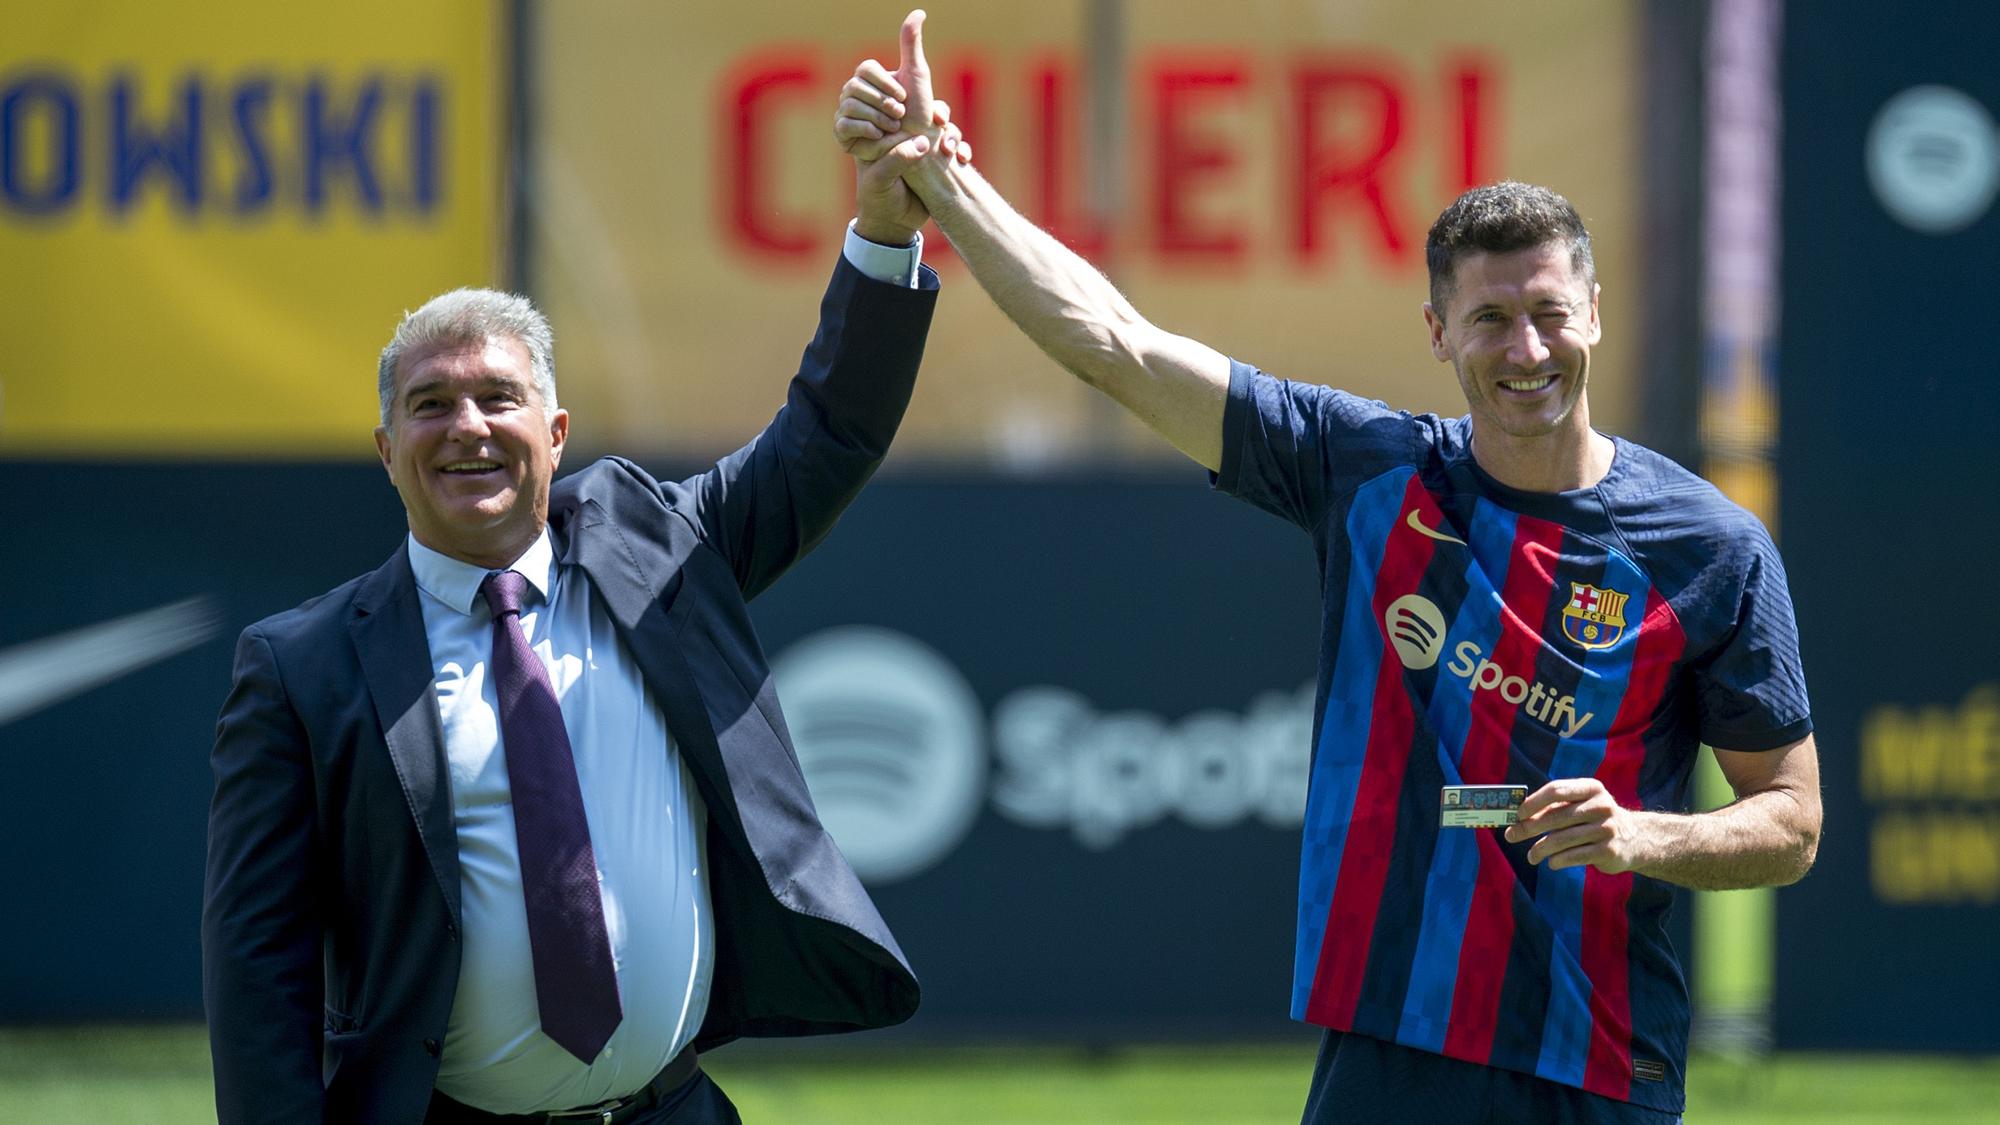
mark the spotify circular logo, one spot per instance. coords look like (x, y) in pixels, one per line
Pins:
(1416, 629)
(892, 744)
(1934, 159)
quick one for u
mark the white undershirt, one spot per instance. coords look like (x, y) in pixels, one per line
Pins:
(647, 825)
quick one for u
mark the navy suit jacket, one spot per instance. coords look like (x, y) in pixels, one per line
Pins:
(330, 924)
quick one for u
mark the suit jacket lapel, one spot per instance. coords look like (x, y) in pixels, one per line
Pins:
(388, 632)
(591, 540)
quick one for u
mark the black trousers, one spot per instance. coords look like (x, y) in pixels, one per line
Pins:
(697, 1101)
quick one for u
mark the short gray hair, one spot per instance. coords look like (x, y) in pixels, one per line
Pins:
(471, 316)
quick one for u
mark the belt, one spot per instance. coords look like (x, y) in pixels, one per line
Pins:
(683, 1068)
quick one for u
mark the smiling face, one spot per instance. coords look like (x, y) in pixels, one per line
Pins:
(1518, 327)
(471, 449)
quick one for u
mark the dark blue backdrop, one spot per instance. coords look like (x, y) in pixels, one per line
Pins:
(1889, 397)
(1144, 595)
(1138, 593)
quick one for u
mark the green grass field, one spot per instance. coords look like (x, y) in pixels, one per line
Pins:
(159, 1076)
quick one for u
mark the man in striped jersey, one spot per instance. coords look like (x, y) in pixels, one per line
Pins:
(1511, 597)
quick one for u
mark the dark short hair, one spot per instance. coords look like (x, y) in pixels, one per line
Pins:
(1498, 219)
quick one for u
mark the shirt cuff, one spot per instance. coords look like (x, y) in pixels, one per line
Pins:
(896, 265)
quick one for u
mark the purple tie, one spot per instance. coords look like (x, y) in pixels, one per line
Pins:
(576, 986)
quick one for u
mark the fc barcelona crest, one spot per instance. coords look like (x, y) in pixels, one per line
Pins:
(1594, 618)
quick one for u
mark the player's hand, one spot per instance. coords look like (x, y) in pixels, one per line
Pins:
(868, 122)
(1579, 823)
(886, 210)
(876, 106)
(888, 123)
(871, 108)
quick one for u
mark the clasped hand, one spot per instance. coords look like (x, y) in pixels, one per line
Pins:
(888, 123)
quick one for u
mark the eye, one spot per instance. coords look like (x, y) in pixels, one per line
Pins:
(424, 406)
(1487, 317)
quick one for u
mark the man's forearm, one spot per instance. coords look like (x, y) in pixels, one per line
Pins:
(1074, 313)
(1060, 300)
(1765, 839)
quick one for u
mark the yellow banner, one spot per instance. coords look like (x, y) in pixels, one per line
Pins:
(1261, 178)
(212, 215)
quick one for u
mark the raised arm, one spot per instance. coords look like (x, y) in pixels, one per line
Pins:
(767, 504)
(1071, 311)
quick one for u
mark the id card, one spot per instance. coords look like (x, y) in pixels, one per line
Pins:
(1480, 806)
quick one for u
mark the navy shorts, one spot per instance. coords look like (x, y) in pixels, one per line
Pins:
(1359, 1078)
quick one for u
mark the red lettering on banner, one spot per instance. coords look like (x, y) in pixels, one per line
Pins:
(965, 86)
(755, 90)
(1345, 171)
(1055, 139)
(961, 80)
(1350, 119)
(1184, 158)
(1471, 81)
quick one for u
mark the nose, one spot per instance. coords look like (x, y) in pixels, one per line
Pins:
(1525, 347)
(467, 420)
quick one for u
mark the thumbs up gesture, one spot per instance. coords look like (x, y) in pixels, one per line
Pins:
(888, 122)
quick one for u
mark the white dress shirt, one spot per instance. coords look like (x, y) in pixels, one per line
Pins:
(647, 827)
(647, 824)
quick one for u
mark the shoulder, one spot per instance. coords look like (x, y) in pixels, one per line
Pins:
(605, 477)
(623, 494)
(1704, 552)
(303, 636)
(315, 616)
(1334, 414)
(620, 488)
(1668, 507)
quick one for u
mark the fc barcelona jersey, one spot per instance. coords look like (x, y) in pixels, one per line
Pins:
(1476, 634)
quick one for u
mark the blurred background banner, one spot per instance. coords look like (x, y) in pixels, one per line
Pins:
(1259, 176)
(1890, 395)
(212, 214)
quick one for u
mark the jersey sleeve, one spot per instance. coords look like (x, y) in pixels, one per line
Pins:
(1292, 448)
(1752, 692)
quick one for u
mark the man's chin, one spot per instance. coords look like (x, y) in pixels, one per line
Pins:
(477, 511)
(469, 523)
(1534, 424)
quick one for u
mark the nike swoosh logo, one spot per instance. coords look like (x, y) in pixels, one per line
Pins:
(1417, 526)
(39, 674)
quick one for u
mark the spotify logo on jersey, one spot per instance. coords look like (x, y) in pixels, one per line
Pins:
(892, 743)
(1416, 629)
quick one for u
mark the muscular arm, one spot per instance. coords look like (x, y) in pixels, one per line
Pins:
(1071, 311)
(1768, 836)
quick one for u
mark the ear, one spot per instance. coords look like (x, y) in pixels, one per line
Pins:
(558, 437)
(383, 448)
(1435, 324)
(1596, 325)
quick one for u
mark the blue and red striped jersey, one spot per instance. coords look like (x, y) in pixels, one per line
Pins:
(1477, 634)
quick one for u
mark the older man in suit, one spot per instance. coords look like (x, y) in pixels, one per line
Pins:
(510, 828)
